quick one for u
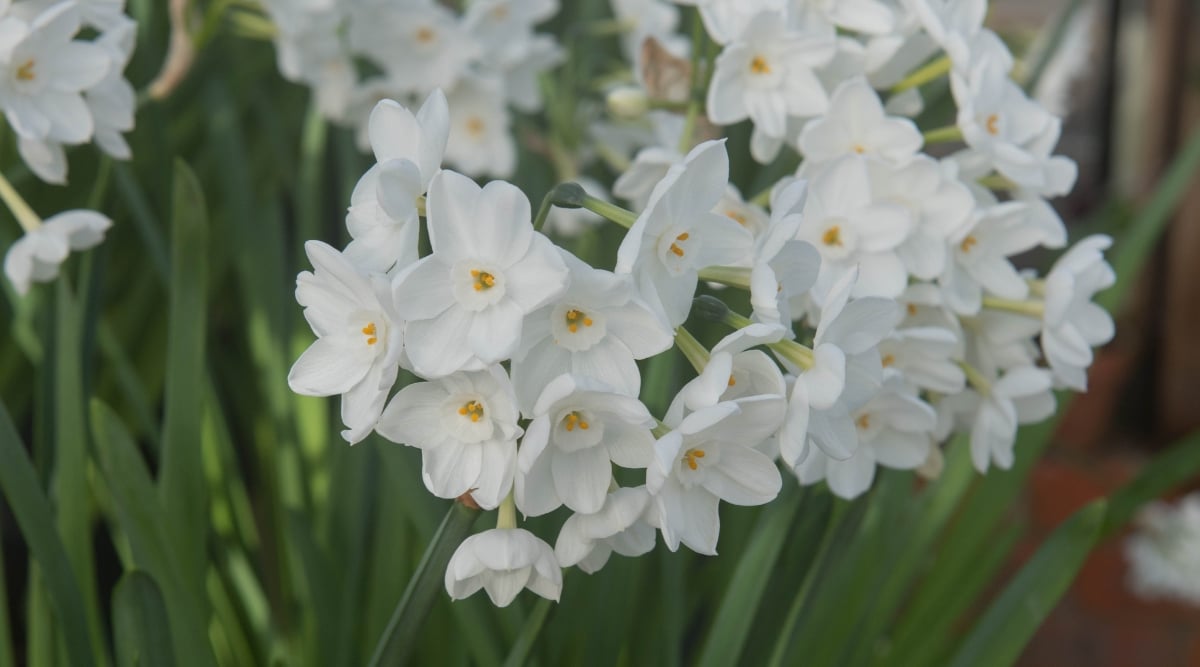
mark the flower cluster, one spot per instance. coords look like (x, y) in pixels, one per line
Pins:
(886, 312)
(486, 59)
(1164, 553)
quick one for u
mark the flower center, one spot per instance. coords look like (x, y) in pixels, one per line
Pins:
(574, 319)
(691, 456)
(968, 243)
(832, 236)
(992, 124)
(759, 65)
(911, 308)
(475, 126)
(860, 149)
(732, 380)
(483, 280)
(500, 12)
(572, 420)
(863, 422)
(370, 332)
(472, 410)
(677, 249)
(736, 217)
(888, 360)
(425, 34)
(25, 72)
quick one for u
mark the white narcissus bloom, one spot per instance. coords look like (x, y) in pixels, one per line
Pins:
(702, 462)
(421, 46)
(521, 69)
(1071, 324)
(36, 256)
(766, 75)
(505, 24)
(598, 328)
(726, 19)
(940, 206)
(359, 339)
(952, 24)
(466, 301)
(847, 221)
(784, 269)
(1164, 552)
(503, 561)
(925, 357)
(580, 428)
(481, 141)
(856, 123)
(747, 214)
(979, 255)
(621, 526)
(678, 234)
(383, 217)
(466, 428)
(643, 19)
(1020, 396)
(45, 72)
(652, 162)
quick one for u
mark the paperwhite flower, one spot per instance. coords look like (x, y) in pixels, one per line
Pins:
(856, 123)
(359, 339)
(1164, 552)
(979, 255)
(481, 142)
(502, 561)
(466, 428)
(726, 19)
(521, 68)
(1020, 396)
(383, 219)
(621, 526)
(505, 24)
(466, 301)
(598, 328)
(643, 19)
(784, 269)
(864, 16)
(924, 356)
(651, 163)
(36, 256)
(580, 428)
(1072, 325)
(766, 74)
(747, 214)
(953, 24)
(678, 234)
(940, 206)
(422, 46)
(45, 72)
(702, 462)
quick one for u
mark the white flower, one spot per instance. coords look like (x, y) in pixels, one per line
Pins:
(1164, 552)
(1072, 324)
(1020, 396)
(579, 428)
(643, 19)
(767, 75)
(598, 328)
(36, 256)
(622, 525)
(979, 257)
(466, 428)
(678, 234)
(784, 269)
(924, 356)
(747, 214)
(466, 301)
(359, 339)
(953, 24)
(481, 143)
(45, 72)
(505, 24)
(422, 46)
(652, 163)
(702, 462)
(502, 561)
(856, 123)
(940, 206)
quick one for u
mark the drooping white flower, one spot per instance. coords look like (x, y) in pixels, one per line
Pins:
(621, 526)
(465, 302)
(502, 561)
(36, 256)
(678, 234)
(1072, 325)
(766, 74)
(1020, 396)
(359, 339)
(856, 123)
(598, 328)
(465, 425)
(580, 428)
(1164, 552)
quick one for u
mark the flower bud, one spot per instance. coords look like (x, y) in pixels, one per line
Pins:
(628, 103)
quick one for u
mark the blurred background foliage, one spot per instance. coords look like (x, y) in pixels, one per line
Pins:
(169, 501)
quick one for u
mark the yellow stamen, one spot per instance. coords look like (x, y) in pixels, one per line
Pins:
(691, 456)
(888, 360)
(968, 243)
(483, 280)
(25, 72)
(732, 381)
(858, 148)
(832, 236)
(736, 217)
(472, 410)
(912, 309)
(992, 124)
(572, 420)
(475, 126)
(864, 422)
(574, 317)
(369, 331)
(759, 65)
(675, 249)
(425, 34)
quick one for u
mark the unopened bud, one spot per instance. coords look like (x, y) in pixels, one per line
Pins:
(628, 103)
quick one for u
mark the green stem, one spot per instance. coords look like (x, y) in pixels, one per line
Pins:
(794, 352)
(1036, 309)
(943, 135)
(543, 212)
(691, 348)
(402, 631)
(25, 216)
(506, 515)
(996, 182)
(933, 70)
(520, 651)
(610, 212)
(976, 379)
(693, 107)
(733, 276)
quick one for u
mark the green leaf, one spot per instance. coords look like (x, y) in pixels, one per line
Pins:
(29, 505)
(730, 628)
(182, 485)
(529, 633)
(1009, 623)
(140, 629)
(1174, 467)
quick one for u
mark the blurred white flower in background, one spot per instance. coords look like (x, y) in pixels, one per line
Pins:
(1164, 552)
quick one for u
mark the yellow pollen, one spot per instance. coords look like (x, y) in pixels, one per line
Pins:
(576, 317)
(483, 280)
(912, 309)
(968, 243)
(369, 332)
(472, 410)
(832, 236)
(25, 72)
(736, 217)
(991, 123)
(675, 249)
(500, 12)
(475, 125)
(572, 420)
(888, 360)
(732, 381)
(864, 422)
(759, 65)
(691, 456)
(858, 148)
(425, 34)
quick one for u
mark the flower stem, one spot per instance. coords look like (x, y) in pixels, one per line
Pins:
(975, 378)
(543, 212)
(610, 212)
(506, 515)
(403, 629)
(694, 95)
(794, 352)
(924, 75)
(733, 276)
(691, 348)
(1035, 309)
(996, 182)
(25, 216)
(943, 135)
